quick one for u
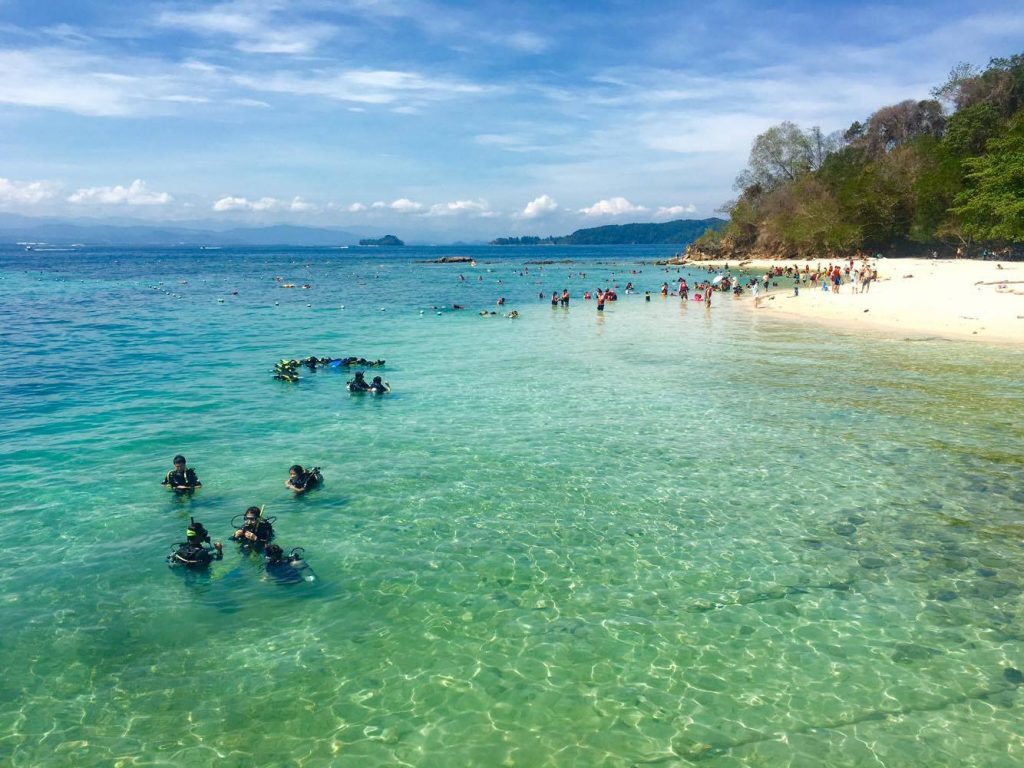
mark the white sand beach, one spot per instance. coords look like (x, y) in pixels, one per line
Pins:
(955, 299)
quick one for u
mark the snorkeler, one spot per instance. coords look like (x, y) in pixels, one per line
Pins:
(182, 477)
(379, 387)
(300, 481)
(256, 530)
(192, 553)
(358, 384)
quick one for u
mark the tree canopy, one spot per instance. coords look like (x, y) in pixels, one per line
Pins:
(934, 173)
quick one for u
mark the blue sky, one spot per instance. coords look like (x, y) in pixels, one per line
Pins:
(441, 120)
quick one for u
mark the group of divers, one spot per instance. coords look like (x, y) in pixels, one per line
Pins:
(288, 370)
(254, 531)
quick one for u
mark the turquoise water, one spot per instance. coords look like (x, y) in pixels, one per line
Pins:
(663, 536)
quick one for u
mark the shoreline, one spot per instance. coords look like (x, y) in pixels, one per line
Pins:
(956, 299)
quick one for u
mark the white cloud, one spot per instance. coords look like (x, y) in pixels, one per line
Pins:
(244, 204)
(616, 206)
(184, 99)
(26, 192)
(362, 86)
(527, 42)
(507, 142)
(256, 103)
(298, 205)
(55, 79)
(538, 207)
(135, 193)
(295, 205)
(255, 29)
(404, 205)
(671, 211)
(101, 86)
(478, 207)
(356, 208)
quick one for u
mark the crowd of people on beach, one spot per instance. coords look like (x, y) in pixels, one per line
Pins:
(857, 272)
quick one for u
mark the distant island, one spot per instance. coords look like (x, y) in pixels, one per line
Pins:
(386, 240)
(678, 232)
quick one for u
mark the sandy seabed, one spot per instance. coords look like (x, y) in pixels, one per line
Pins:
(955, 299)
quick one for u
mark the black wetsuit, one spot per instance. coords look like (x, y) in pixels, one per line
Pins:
(263, 530)
(358, 385)
(305, 482)
(284, 570)
(193, 556)
(176, 478)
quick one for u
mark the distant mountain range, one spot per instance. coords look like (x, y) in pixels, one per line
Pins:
(22, 229)
(15, 228)
(678, 232)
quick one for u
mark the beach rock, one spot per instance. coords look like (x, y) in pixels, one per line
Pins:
(870, 561)
(993, 589)
(1013, 676)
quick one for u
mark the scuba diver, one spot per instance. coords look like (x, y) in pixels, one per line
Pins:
(287, 569)
(300, 481)
(358, 384)
(256, 531)
(192, 553)
(182, 477)
(379, 387)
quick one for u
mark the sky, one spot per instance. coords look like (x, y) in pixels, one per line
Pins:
(442, 121)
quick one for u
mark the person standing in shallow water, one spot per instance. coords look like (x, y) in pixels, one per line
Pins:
(182, 477)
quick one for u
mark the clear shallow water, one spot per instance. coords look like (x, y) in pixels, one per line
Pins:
(664, 536)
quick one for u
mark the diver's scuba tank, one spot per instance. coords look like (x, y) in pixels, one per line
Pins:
(192, 553)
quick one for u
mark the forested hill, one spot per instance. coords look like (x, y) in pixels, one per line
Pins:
(940, 175)
(679, 232)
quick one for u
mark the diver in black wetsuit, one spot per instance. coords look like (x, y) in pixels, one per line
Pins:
(379, 387)
(192, 553)
(287, 569)
(300, 481)
(256, 531)
(358, 384)
(182, 477)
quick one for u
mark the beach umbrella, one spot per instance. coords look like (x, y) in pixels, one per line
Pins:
(718, 279)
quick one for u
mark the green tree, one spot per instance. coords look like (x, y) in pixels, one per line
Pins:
(991, 206)
(970, 128)
(804, 219)
(781, 154)
(936, 182)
